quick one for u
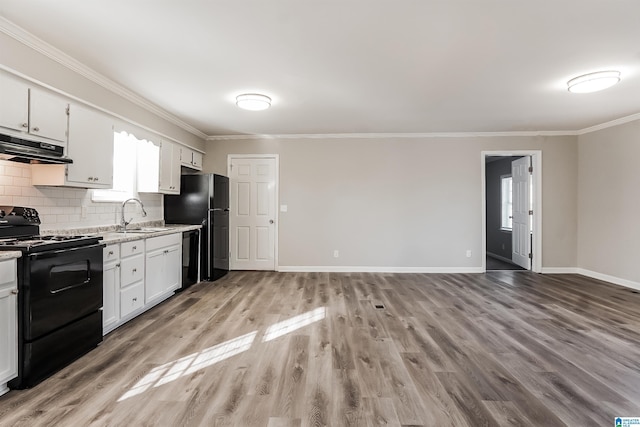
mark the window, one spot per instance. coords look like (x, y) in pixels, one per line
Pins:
(506, 202)
(124, 170)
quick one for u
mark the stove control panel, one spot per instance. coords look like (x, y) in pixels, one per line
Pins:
(19, 215)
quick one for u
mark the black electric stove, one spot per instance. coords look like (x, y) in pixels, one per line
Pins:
(20, 231)
(59, 295)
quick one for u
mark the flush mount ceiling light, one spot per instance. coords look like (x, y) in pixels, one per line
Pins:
(593, 82)
(253, 101)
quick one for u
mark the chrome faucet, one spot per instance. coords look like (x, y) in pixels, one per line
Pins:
(123, 222)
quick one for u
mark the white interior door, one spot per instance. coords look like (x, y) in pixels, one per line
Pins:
(252, 198)
(520, 235)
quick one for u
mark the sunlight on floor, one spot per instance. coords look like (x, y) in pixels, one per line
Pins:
(187, 365)
(287, 326)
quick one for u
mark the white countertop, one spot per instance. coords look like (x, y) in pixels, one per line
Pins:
(9, 255)
(113, 237)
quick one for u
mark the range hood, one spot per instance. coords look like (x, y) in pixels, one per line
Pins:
(24, 151)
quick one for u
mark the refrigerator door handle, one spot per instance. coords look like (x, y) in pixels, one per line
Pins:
(209, 246)
(217, 209)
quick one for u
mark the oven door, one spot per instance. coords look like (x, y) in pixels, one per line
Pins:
(61, 287)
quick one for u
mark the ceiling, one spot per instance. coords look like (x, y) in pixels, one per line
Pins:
(357, 66)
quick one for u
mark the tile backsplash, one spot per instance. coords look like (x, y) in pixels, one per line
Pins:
(64, 207)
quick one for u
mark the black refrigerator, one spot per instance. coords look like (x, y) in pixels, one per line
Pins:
(204, 199)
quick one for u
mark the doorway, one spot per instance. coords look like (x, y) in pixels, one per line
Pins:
(512, 210)
(253, 216)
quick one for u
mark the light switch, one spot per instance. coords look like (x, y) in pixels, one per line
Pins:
(283, 208)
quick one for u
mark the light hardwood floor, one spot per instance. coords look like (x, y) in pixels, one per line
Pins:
(311, 349)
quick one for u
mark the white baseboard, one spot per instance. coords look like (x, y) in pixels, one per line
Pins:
(611, 279)
(560, 270)
(369, 269)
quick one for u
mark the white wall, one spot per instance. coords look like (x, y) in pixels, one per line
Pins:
(62, 208)
(402, 203)
(609, 202)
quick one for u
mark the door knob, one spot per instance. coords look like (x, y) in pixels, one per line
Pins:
(270, 221)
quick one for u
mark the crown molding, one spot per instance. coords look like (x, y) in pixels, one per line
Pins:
(40, 46)
(393, 135)
(601, 126)
(609, 124)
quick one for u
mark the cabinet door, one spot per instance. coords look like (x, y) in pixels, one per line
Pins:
(155, 280)
(186, 156)
(173, 265)
(91, 148)
(131, 299)
(14, 108)
(8, 335)
(111, 295)
(175, 169)
(47, 115)
(166, 164)
(197, 160)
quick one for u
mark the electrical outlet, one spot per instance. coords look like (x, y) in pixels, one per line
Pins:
(336, 253)
(468, 253)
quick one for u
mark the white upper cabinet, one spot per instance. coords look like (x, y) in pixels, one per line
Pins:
(190, 158)
(90, 147)
(47, 115)
(32, 111)
(159, 168)
(14, 108)
(169, 168)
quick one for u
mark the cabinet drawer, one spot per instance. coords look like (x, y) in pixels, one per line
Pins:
(8, 272)
(131, 248)
(163, 241)
(132, 270)
(131, 299)
(110, 253)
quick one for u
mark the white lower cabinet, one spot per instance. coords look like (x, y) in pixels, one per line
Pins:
(8, 323)
(163, 266)
(111, 296)
(138, 275)
(131, 299)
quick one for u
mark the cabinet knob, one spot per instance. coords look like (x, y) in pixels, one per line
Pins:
(118, 265)
(134, 248)
(25, 125)
(134, 270)
(14, 292)
(95, 178)
(110, 252)
(36, 129)
(135, 299)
